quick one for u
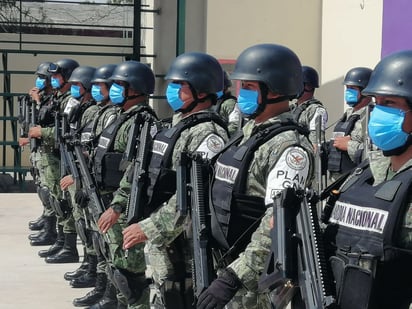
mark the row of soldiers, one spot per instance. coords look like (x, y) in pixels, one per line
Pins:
(178, 213)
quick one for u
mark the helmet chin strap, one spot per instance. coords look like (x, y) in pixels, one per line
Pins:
(131, 97)
(264, 94)
(196, 100)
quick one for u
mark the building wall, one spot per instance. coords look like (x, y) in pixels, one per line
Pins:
(351, 36)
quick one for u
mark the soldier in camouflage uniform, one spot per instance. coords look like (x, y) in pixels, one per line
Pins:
(310, 112)
(46, 223)
(306, 109)
(106, 114)
(194, 78)
(80, 111)
(227, 108)
(276, 154)
(133, 82)
(347, 145)
(64, 249)
(370, 230)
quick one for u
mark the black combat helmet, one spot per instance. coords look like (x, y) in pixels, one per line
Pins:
(310, 76)
(64, 66)
(83, 75)
(202, 71)
(103, 74)
(42, 69)
(358, 76)
(392, 76)
(276, 66)
(139, 76)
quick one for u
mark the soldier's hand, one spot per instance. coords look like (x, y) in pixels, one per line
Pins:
(272, 222)
(35, 94)
(23, 141)
(133, 235)
(341, 142)
(220, 291)
(108, 219)
(66, 182)
(35, 132)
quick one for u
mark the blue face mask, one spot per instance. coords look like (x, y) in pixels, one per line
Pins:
(96, 93)
(75, 91)
(172, 95)
(55, 83)
(219, 94)
(351, 96)
(385, 127)
(247, 101)
(40, 83)
(116, 94)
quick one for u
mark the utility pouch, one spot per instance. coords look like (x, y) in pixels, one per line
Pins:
(356, 288)
(353, 272)
(111, 173)
(172, 292)
(130, 285)
(62, 207)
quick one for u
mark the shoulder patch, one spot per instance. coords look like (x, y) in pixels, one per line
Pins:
(214, 143)
(296, 159)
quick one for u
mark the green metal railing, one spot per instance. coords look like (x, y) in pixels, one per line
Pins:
(9, 119)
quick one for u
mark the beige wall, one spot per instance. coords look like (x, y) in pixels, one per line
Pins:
(234, 25)
(351, 37)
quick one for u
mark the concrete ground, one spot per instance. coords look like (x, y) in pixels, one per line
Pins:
(26, 280)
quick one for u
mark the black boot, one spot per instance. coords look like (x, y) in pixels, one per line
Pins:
(109, 300)
(94, 295)
(88, 279)
(37, 225)
(47, 236)
(69, 276)
(68, 254)
(57, 246)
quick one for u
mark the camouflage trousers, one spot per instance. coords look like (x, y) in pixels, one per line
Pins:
(133, 261)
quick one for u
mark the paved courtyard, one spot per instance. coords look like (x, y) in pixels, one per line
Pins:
(26, 281)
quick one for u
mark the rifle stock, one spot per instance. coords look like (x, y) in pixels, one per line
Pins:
(315, 287)
(193, 200)
(297, 258)
(203, 273)
(135, 208)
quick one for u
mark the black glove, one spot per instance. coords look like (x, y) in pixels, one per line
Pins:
(220, 291)
(81, 198)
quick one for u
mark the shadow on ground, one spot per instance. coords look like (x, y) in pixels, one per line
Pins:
(9, 185)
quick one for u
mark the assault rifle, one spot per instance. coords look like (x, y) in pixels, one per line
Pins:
(88, 183)
(24, 114)
(192, 200)
(297, 260)
(66, 153)
(33, 141)
(135, 208)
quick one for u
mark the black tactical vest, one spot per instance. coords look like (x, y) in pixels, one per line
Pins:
(46, 116)
(234, 212)
(161, 176)
(339, 161)
(366, 219)
(89, 137)
(106, 161)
